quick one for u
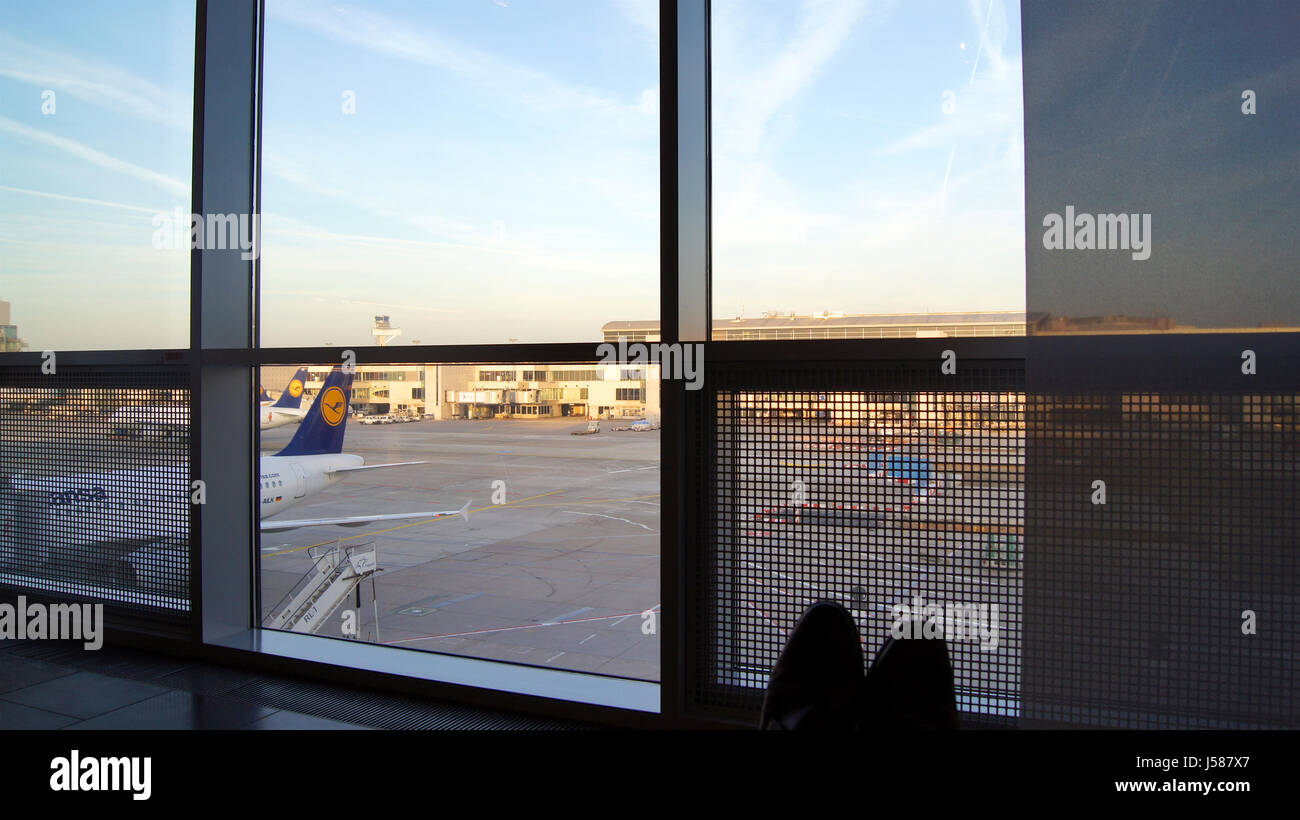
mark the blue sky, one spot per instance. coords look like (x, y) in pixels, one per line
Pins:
(79, 186)
(839, 181)
(499, 179)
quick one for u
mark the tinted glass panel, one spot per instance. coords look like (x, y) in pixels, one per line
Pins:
(1162, 166)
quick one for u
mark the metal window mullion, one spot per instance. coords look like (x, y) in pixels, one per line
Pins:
(693, 309)
(225, 177)
(684, 317)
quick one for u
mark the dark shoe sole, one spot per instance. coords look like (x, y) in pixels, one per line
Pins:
(910, 686)
(817, 680)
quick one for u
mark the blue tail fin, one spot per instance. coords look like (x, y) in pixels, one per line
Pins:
(321, 431)
(292, 395)
(265, 396)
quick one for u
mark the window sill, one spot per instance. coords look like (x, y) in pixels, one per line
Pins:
(555, 684)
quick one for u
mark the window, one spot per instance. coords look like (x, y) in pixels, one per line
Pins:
(1148, 406)
(541, 572)
(1104, 491)
(95, 205)
(867, 496)
(575, 375)
(846, 137)
(469, 172)
(1150, 251)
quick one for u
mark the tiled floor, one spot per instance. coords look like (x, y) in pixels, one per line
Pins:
(45, 685)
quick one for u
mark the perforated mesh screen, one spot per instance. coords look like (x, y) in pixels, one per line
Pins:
(1156, 523)
(872, 485)
(1140, 546)
(94, 484)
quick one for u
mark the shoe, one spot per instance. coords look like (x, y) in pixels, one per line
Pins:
(910, 686)
(817, 680)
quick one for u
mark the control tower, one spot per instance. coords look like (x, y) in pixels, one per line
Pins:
(384, 332)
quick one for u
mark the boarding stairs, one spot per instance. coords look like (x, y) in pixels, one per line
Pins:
(334, 574)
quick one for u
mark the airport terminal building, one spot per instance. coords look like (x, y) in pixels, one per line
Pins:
(837, 325)
(523, 391)
(612, 391)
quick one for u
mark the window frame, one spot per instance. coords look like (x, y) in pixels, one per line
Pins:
(224, 351)
(226, 345)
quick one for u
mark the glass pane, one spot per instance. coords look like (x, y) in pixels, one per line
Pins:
(96, 114)
(867, 160)
(1162, 167)
(555, 561)
(481, 169)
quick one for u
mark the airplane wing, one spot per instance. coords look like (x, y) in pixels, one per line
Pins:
(375, 466)
(359, 520)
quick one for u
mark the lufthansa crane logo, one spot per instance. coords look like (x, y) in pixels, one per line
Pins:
(295, 388)
(333, 406)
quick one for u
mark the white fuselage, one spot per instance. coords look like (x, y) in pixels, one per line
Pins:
(135, 506)
(120, 507)
(286, 480)
(268, 418)
(146, 420)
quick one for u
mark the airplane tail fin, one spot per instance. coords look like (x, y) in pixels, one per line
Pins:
(292, 396)
(321, 431)
(265, 396)
(463, 512)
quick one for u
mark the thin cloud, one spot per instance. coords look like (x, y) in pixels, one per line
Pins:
(993, 106)
(83, 200)
(85, 152)
(752, 83)
(643, 13)
(280, 166)
(752, 92)
(405, 41)
(98, 83)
